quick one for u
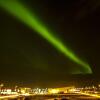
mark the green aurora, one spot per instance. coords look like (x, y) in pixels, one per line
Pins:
(29, 18)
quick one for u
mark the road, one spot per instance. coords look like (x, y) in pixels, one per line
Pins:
(68, 96)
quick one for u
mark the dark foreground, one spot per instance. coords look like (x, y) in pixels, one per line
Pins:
(55, 97)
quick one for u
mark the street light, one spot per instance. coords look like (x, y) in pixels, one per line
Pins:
(1, 85)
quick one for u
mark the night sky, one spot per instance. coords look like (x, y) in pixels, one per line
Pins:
(27, 58)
